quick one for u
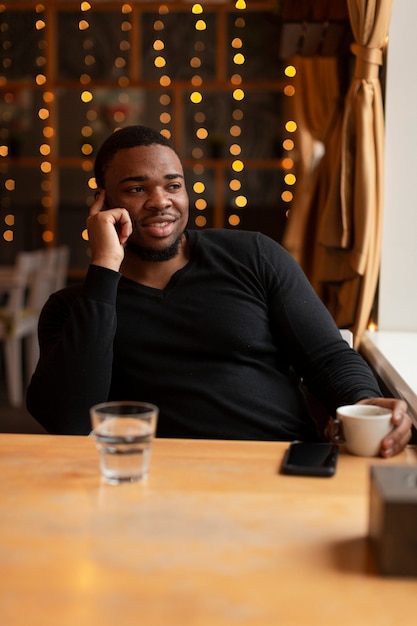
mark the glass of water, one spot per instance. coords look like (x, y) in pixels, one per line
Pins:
(124, 432)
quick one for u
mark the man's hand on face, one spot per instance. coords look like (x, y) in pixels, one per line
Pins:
(108, 231)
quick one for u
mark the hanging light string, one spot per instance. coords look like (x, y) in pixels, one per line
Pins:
(196, 97)
(120, 61)
(160, 62)
(101, 111)
(290, 127)
(7, 217)
(238, 94)
(46, 112)
(87, 96)
(92, 123)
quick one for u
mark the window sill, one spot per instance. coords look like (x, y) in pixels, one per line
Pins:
(393, 357)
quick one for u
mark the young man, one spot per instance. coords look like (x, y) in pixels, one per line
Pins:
(216, 327)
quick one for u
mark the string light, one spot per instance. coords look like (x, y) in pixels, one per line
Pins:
(118, 78)
(88, 130)
(160, 62)
(86, 95)
(120, 62)
(9, 148)
(46, 146)
(240, 200)
(9, 184)
(196, 97)
(102, 104)
(288, 144)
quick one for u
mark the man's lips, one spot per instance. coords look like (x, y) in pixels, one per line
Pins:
(153, 220)
(159, 227)
(157, 224)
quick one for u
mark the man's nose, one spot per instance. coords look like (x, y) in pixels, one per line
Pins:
(158, 198)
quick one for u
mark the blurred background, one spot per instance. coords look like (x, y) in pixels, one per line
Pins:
(216, 77)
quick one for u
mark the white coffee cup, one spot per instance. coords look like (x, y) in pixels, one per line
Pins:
(364, 427)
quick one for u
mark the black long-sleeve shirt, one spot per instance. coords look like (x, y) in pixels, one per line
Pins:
(220, 350)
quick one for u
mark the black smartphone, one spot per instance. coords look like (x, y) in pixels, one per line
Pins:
(310, 459)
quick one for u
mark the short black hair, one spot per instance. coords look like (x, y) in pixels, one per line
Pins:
(127, 137)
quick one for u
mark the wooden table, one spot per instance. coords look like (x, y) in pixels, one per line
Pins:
(215, 537)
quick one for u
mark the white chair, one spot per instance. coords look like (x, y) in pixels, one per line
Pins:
(56, 264)
(24, 289)
(18, 317)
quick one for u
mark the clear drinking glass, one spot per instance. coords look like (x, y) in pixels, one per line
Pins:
(124, 432)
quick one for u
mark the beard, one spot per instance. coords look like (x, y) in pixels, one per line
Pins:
(156, 256)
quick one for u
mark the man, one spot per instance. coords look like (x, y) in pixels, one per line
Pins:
(216, 327)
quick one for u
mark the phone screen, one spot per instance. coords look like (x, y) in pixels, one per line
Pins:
(310, 459)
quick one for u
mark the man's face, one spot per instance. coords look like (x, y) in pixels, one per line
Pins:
(148, 181)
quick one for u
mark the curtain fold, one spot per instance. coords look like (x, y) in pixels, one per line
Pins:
(316, 107)
(348, 196)
(362, 173)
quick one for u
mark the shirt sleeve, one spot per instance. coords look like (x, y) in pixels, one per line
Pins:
(76, 332)
(332, 371)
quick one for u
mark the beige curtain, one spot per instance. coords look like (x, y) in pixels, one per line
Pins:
(317, 108)
(346, 265)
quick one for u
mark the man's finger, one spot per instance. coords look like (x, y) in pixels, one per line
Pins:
(99, 203)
